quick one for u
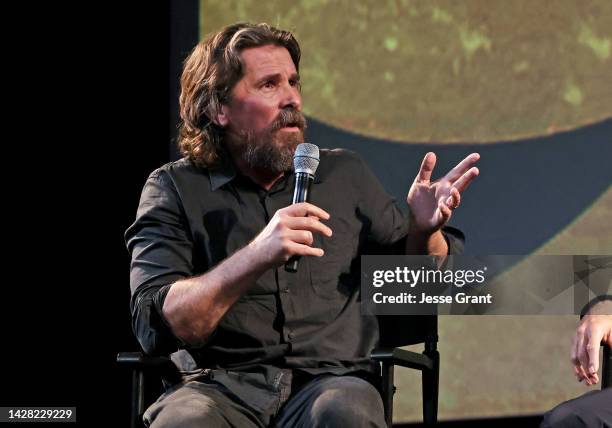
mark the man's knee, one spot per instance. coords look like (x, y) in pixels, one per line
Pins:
(189, 417)
(348, 401)
(185, 408)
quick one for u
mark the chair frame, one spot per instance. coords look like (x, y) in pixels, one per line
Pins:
(424, 330)
(427, 362)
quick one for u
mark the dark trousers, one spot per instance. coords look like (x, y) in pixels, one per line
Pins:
(593, 409)
(322, 401)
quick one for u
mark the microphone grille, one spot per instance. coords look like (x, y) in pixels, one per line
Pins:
(306, 158)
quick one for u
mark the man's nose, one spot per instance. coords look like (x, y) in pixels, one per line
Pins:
(291, 97)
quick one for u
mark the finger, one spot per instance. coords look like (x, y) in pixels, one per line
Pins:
(454, 199)
(592, 350)
(462, 167)
(580, 374)
(583, 375)
(577, 343)
(303, 209)
(466, 179)
(301, 237)
(574, 356)
(446, 212)
(577, 373)
(427, 166)
(583, 358)
(579, 346)
(308, 223)
(305, 250)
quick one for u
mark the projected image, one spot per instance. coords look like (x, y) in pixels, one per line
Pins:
(476, 71)
(527, 85)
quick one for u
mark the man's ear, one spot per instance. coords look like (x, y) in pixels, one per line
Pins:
(221, 119)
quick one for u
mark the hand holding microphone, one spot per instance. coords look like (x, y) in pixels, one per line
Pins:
(289, 234)
(305, 163)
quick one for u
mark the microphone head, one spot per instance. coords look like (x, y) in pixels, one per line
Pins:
(306, 158)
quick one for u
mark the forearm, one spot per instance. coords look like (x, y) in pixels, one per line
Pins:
(433, 244)
(193, 307)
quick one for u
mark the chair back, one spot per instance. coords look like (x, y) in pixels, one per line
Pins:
(403, 330)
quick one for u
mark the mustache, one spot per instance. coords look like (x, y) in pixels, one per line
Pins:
(289, 117)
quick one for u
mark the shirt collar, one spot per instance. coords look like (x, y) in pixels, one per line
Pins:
(226, 171)
(221, 174)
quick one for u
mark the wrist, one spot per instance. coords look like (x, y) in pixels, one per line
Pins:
(257, 258)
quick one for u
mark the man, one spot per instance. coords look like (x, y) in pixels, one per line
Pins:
(593, 409)
(258, 345)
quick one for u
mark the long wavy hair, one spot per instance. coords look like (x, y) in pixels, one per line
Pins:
(209, 75)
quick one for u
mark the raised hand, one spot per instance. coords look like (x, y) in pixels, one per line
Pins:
(432, 203)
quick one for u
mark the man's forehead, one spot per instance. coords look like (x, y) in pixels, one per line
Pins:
(269, 59)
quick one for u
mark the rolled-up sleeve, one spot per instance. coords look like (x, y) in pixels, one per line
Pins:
(386, 224)
(455, 239)
(161, 250)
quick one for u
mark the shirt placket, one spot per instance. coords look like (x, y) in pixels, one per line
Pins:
(272, 201)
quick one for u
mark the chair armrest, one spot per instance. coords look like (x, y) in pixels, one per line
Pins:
(401, 357)
(142, 361)
(163, 366)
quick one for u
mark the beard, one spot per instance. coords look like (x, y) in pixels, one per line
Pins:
(272, 149)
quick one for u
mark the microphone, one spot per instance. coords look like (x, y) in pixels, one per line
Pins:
(305, 163)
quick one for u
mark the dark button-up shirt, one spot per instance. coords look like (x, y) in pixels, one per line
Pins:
(191, 218)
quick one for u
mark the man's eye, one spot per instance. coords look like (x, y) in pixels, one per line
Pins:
(295, 83)
(268, 85)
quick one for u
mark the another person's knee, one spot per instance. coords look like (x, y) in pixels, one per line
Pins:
(590, 409)
(348, 401)
(587, 410)
(564, 415)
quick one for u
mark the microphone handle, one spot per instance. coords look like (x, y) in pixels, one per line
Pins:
(300, 194)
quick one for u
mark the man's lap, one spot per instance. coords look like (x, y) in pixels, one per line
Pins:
(326, 400)
(333, 401)
(197, 404)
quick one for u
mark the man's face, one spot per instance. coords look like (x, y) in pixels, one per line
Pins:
(263, 117)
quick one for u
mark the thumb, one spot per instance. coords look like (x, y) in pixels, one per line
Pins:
(445, 211)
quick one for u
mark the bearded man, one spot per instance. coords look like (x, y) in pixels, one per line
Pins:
(257, 345)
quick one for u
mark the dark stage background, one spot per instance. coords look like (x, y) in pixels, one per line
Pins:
(87, 124)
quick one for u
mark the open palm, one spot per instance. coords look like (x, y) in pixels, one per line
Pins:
(431, 203)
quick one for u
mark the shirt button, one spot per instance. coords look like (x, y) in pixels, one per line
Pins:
(286, 290)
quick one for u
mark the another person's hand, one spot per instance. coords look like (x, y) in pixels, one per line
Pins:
(594, 328)
(431, 203)
(289, 233)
